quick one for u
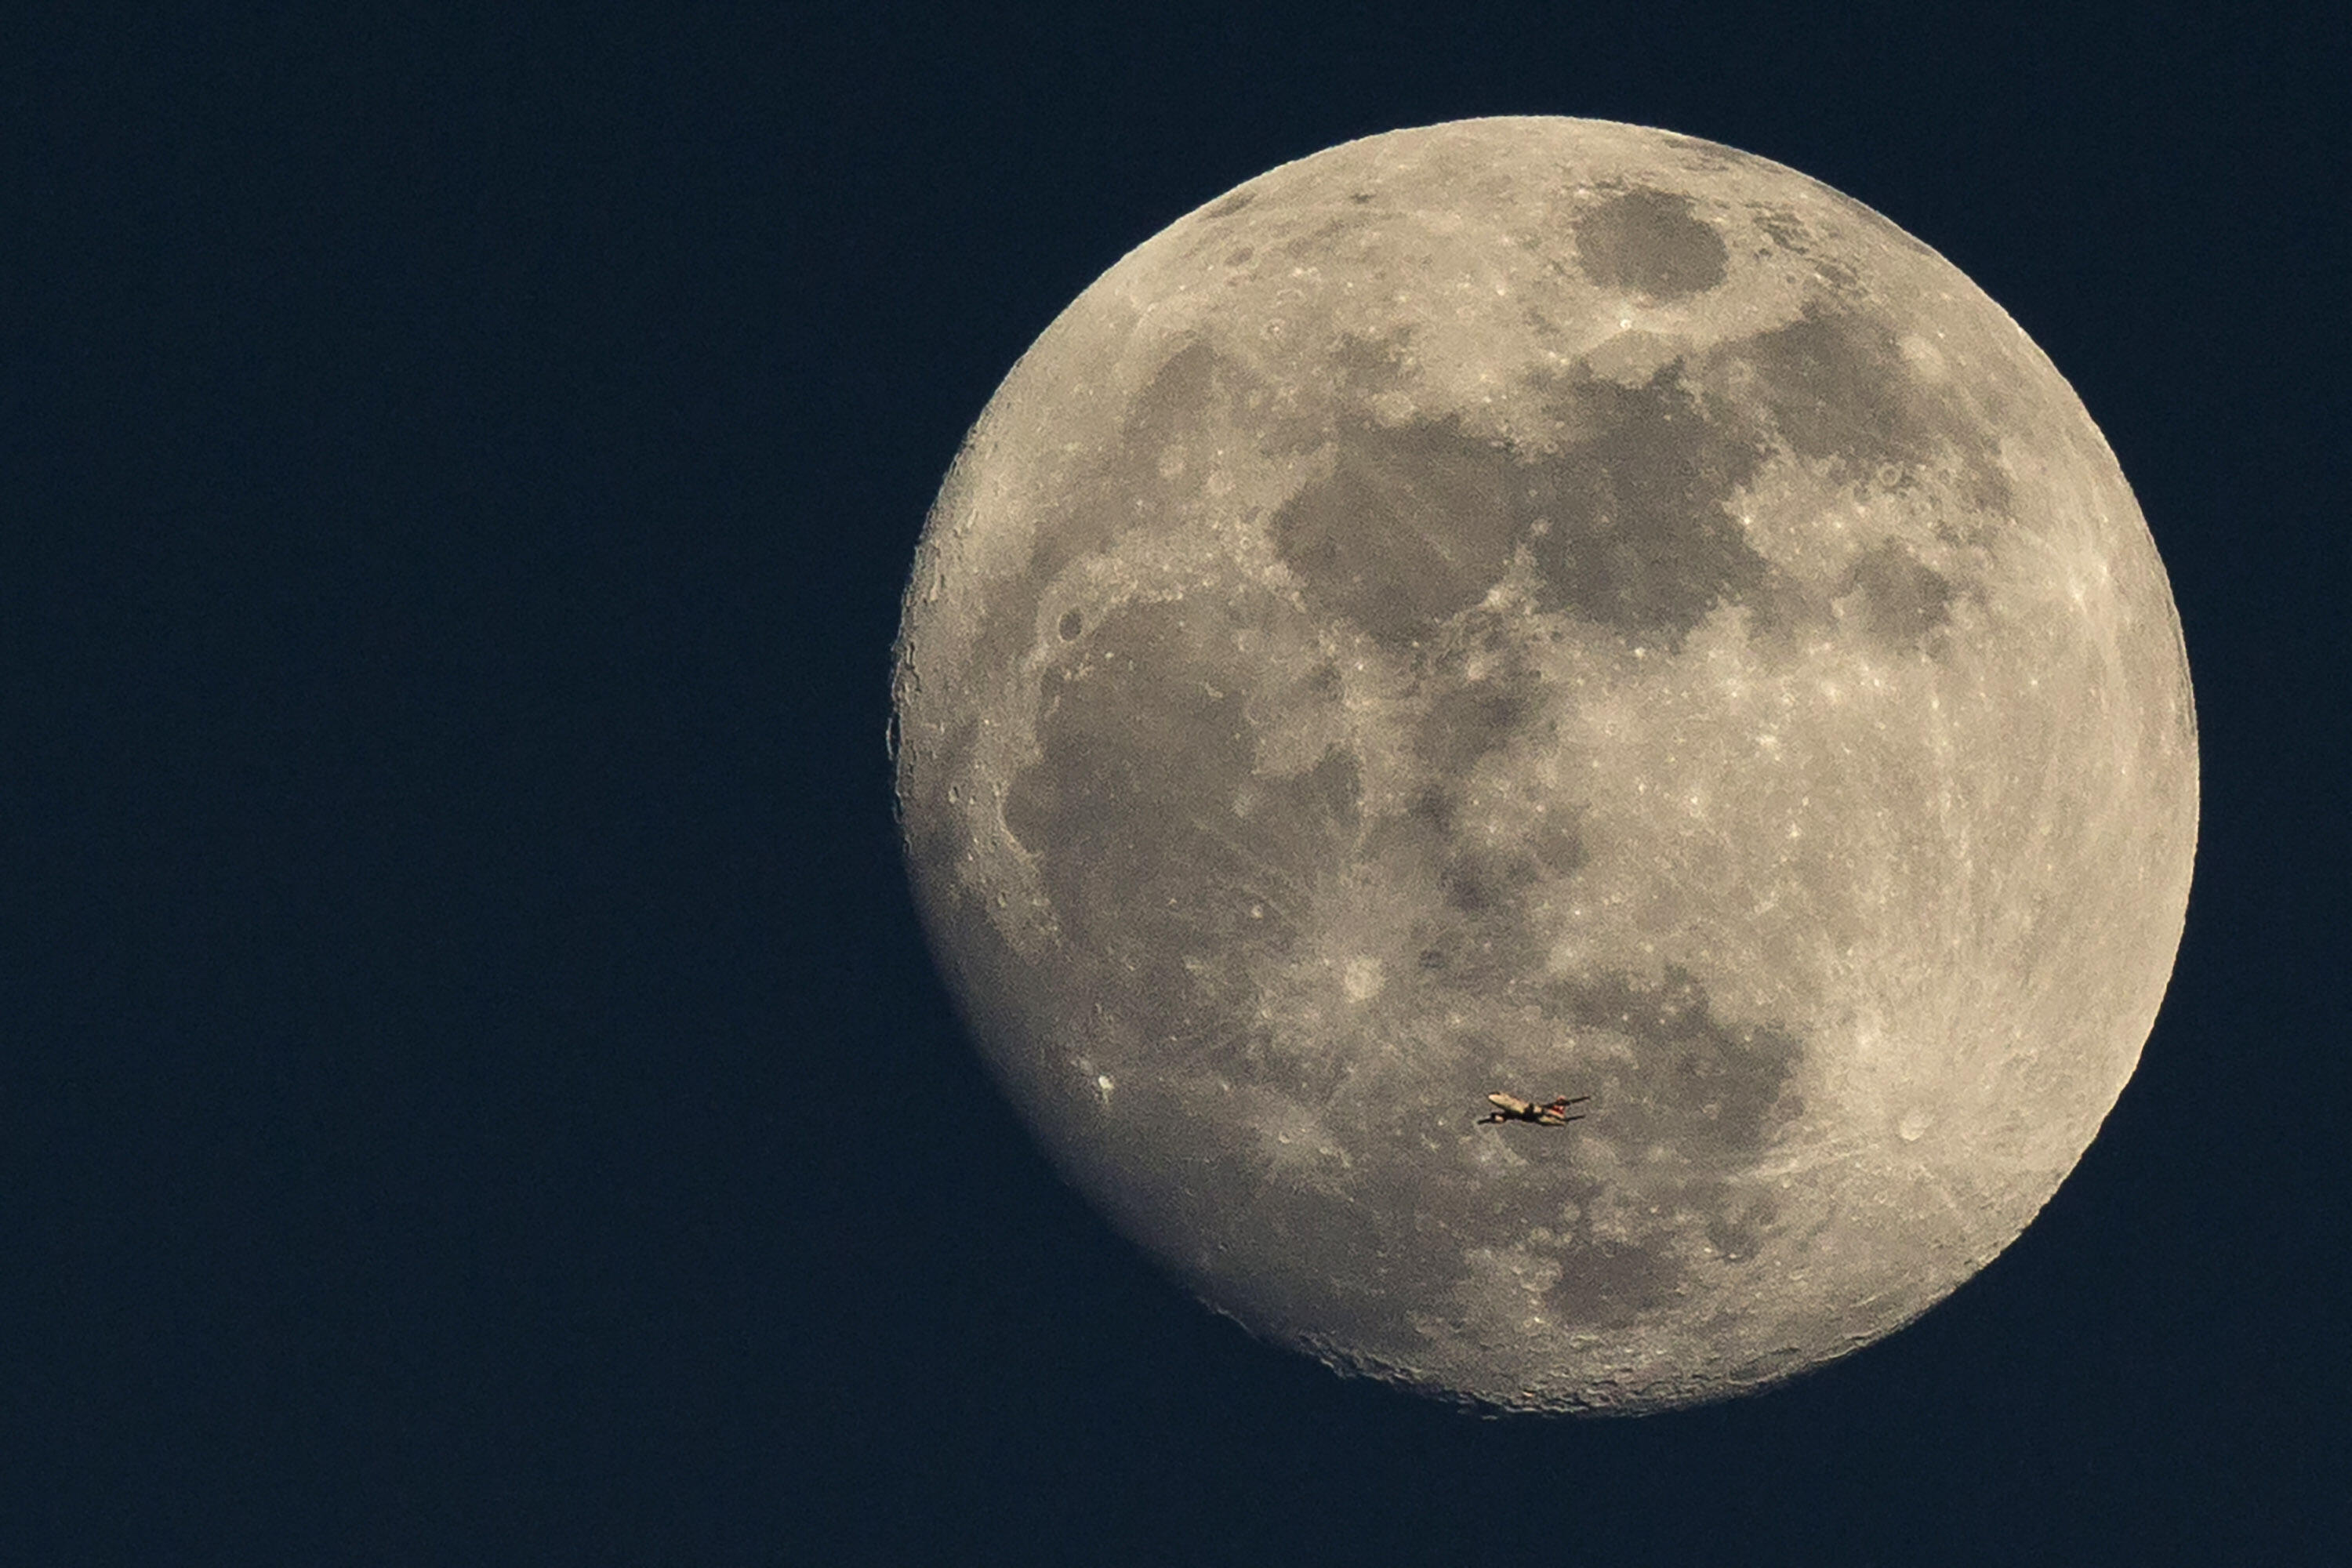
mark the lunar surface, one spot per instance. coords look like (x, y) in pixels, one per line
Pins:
(1551, 607)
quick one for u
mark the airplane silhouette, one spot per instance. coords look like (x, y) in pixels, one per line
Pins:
(1511, 1108)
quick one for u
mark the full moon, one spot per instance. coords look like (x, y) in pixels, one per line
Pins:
(1548, 607)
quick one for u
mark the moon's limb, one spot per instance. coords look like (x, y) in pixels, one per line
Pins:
(1549, 605)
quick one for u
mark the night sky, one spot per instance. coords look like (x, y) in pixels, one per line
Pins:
(471, 1086)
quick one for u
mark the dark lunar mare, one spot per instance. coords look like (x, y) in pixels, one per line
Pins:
(1650, 241)
(1164, 850)
(1628, 521)
(1167, 853)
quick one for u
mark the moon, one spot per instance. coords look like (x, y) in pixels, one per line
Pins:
(1554, 608)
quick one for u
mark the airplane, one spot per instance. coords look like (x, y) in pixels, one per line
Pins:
(1510, 1108)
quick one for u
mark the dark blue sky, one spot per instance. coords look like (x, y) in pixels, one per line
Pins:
(455, 480)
